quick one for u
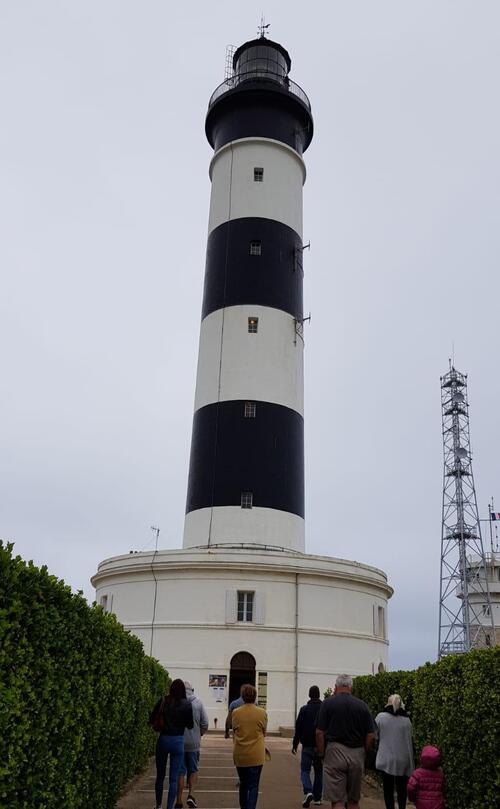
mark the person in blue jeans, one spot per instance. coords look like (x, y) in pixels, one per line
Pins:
(177, 716)
(192, 743)
(305, 734)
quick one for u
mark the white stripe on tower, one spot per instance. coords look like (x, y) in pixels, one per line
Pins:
(246, 478)
(277, 197)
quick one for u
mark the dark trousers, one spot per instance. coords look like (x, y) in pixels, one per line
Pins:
(249, 786)
(389, 781)
(166, 746)
(309, 759)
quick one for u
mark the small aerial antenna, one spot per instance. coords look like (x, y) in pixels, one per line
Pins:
(157, 532)
(262, 29)
(299, 327)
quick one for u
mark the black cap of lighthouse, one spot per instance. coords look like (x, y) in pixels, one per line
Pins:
(246, 473)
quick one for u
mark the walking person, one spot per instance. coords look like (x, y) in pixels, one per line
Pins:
(236, 703)
(305, 734)
(395, 750)
(426, 785)
(249, 729)
(345, 731)
(176, 714)
(192, 743)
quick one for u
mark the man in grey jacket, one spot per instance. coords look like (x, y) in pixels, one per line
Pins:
(192, 743)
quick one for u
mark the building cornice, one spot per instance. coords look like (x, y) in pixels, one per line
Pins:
(275, 562)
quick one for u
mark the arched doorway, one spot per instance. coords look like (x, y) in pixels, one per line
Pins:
(242, 671)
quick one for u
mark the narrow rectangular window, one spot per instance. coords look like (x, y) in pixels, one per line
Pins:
(258, 174)
(249, 608)
(241, 606)
(381, 622)
(245, 606)
(250, 410)
(103, 601)
(255, 247)
(253, 325)
(246, 499)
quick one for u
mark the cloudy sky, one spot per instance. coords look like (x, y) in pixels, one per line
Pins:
(104, 196)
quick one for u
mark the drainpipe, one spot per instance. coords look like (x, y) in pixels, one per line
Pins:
(295, 707)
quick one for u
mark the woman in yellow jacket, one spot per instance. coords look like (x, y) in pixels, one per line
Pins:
(249, 752)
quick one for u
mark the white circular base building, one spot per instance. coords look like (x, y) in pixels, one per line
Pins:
(222, 616)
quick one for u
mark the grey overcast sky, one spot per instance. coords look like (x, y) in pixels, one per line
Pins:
(104, 197)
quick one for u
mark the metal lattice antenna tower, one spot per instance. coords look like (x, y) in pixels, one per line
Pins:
(464, 592)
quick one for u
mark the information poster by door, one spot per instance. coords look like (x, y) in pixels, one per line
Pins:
(262, 689)
(217, 684)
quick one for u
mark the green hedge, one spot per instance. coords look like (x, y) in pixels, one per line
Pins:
(75, 692)
(454, 704)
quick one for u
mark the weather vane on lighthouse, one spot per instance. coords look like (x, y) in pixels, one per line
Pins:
(262, 29)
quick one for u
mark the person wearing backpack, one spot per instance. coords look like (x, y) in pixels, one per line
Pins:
(171, 715)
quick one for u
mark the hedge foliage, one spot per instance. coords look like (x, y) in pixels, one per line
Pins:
(75, 693)
(454, 704)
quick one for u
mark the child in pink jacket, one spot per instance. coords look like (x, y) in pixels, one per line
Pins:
(426, 784)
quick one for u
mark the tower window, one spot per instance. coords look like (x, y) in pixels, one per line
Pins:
(245, 606)
(246, 499)
(380, 622)
(258, 175)
(253, 325)
(250, 410)
(486, 609)
(255, 248)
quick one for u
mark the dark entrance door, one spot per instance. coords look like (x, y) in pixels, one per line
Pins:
(242, 672)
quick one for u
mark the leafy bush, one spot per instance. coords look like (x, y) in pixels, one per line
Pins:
(454, 704)
(75, 692)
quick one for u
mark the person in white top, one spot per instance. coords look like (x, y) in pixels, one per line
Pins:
(395, 750)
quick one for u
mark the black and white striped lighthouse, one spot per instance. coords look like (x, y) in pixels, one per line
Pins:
(246, 474)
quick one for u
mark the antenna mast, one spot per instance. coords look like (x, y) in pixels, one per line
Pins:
(263, 27)
(465, 615)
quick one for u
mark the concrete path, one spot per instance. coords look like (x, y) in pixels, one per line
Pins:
(216, 789)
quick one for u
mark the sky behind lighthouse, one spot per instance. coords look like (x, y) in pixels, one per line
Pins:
(103, 208)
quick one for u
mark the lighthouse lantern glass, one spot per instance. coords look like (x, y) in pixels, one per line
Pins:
(261, 61)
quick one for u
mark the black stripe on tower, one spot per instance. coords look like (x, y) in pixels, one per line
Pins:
(231, 454)
(234, 276)
(257, 109)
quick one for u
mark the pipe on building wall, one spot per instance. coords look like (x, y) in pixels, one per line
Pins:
(295, 702)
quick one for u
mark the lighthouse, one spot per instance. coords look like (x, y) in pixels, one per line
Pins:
(246, 474)
(242, 601)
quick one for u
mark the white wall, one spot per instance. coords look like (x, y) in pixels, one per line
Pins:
(232, 524)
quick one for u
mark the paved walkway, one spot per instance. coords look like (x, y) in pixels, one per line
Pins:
(216, 789)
